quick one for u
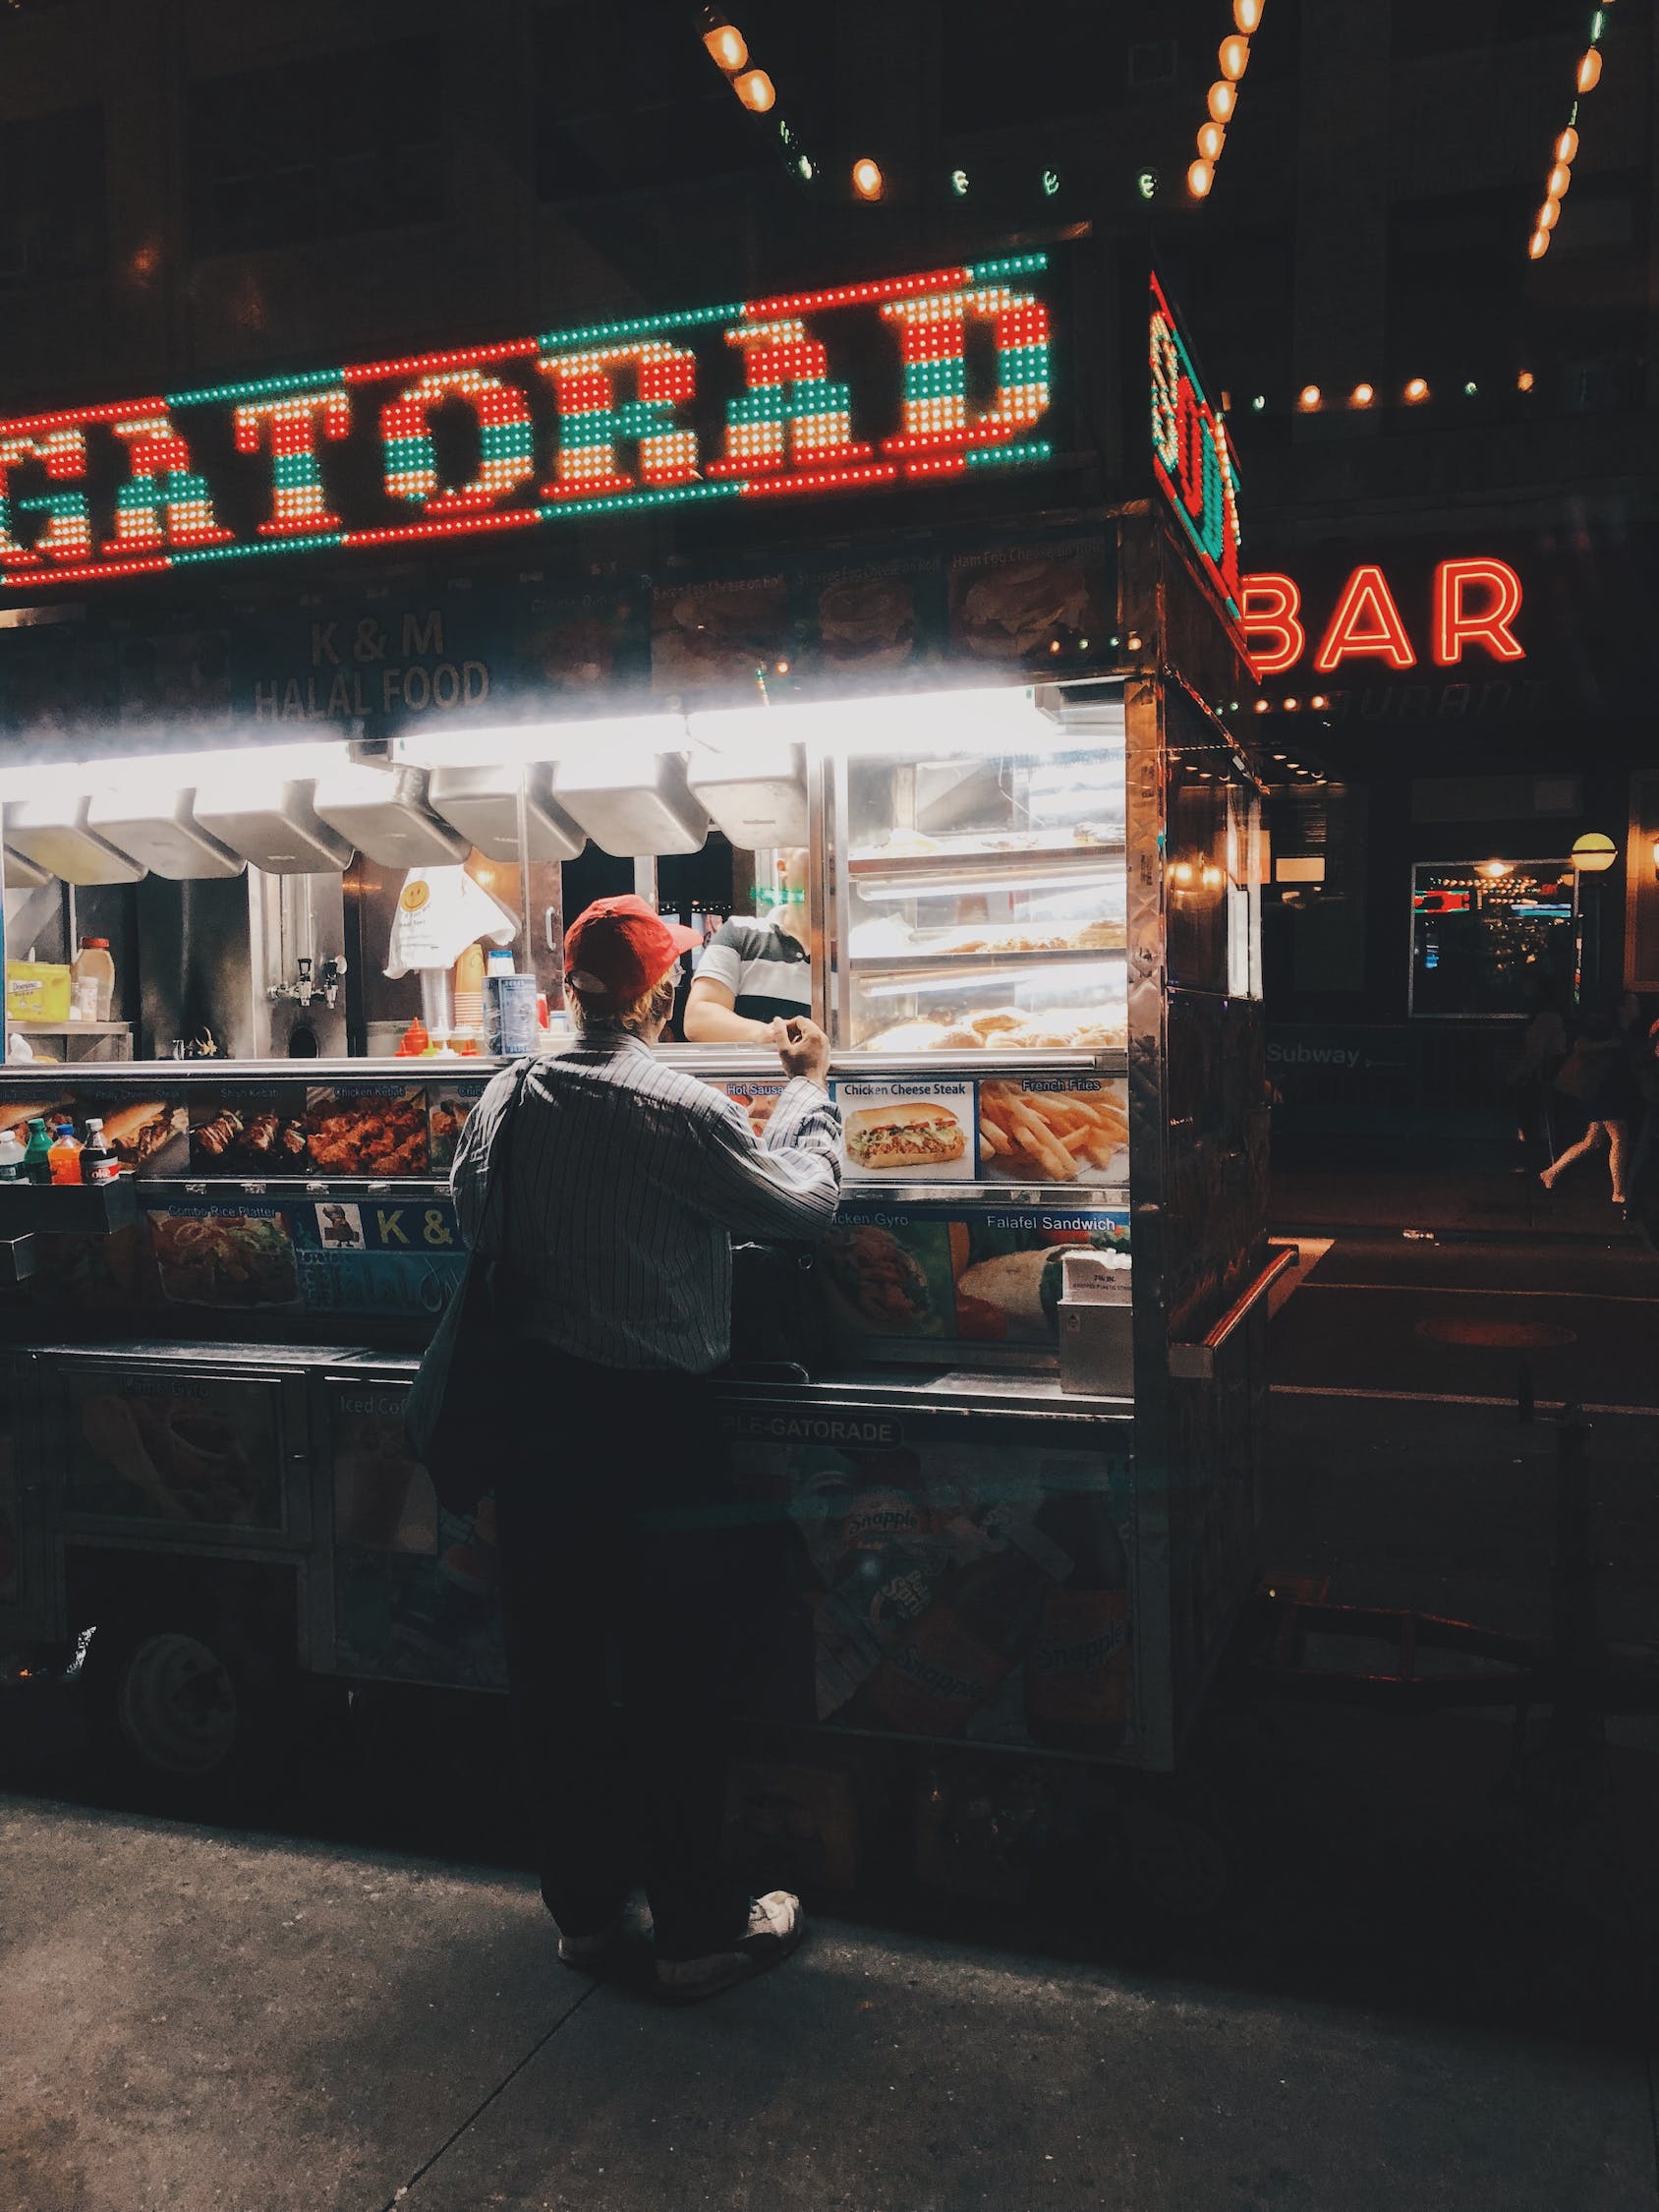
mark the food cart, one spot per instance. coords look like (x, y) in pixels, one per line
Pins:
(979, 665)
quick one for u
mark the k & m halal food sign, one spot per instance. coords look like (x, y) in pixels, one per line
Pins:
(913, 379)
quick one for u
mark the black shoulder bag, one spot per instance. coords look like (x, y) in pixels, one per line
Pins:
(468, 1369)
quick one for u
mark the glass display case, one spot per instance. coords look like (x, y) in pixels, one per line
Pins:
(980, 890)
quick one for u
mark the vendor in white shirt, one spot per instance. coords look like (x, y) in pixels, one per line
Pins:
(756, 975)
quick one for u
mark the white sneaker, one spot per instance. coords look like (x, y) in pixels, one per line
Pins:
(776, 1925)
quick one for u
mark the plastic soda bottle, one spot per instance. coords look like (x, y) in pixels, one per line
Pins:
(99, 1163)
(64, 1157)
(38, 1153)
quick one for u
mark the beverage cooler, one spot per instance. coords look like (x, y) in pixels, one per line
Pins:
(1016, 1474)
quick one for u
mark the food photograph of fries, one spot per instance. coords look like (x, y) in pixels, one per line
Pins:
(1029, 1135)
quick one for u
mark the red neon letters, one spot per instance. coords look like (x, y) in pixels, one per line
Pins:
(1473, 602)
(1271, 603)
(1457, 625)
(1366, 621)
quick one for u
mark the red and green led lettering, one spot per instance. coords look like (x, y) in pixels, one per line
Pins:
(163, 501)
(601, 419)
(593, 422)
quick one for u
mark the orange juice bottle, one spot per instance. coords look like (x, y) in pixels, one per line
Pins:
(64, 1156)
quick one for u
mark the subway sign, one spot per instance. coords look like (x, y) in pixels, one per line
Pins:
(1191, 459)
(1471, 606)
(910, 380)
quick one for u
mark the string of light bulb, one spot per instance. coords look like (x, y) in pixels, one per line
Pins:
(1232, 59)
(1414, 391)
(1587, 76)
(728, 50)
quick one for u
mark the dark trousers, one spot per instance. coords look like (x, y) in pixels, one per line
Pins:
(620, 1569)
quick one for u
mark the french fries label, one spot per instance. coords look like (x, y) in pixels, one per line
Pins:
(915, 1132)
(1054, 1130)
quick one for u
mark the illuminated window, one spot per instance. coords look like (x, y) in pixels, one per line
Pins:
(316, 148)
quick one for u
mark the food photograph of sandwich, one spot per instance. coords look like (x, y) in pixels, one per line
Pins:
(710, 636)
(890, 1281)
(1009, 1281)
(1017, 609)
(138, 1133)
(908, 1133)
(867, 623)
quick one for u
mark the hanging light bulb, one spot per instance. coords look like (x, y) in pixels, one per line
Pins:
(1558, 179)
(1211, 138)
(1247, 14)
(1538, 245)
(1525, 380)
(755, 90)
(1417, 391)
(1590, 69)
(1549, 214)
(1200, 176)
(1223, 100)
(1567, 146)
(1233, 57)
(728, 48)
(1307, 400)
(867, 178)
(1363, 394)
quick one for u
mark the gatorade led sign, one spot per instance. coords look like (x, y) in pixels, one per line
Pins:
(1472, 606)
(755, 399)
(1190, 455)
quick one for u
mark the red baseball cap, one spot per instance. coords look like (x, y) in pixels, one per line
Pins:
(617, 950)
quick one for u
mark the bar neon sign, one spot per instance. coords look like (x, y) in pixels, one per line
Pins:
(1472, 602)
(1190, 455)
(561, 426)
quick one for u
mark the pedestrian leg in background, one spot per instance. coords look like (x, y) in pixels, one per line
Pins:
(1618, 1149)
(1593, 1138)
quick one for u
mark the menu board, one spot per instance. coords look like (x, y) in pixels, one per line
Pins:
(401, 1259)
(990, 1276)
(963, 1586)
(180, 1448)
(1047, 1130)
(416, 1589)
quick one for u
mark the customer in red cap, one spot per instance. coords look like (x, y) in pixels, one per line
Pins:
(626, 1181)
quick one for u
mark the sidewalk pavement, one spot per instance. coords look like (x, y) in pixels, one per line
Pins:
(1482, 1195)
(202, 2022)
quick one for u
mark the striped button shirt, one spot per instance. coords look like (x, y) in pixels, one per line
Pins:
(628, 1180)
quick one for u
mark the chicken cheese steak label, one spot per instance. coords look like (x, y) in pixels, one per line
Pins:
(921, 1132)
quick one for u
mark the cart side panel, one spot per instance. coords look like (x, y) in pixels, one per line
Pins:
(940, 1576)
(414, 1591)
(31, 1587)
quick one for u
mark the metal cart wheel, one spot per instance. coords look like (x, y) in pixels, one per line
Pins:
(178, 1706)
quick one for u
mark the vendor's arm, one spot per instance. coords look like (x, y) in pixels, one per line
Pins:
(712, 1017)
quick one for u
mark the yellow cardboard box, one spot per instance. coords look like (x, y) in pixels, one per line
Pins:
(36, 991)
